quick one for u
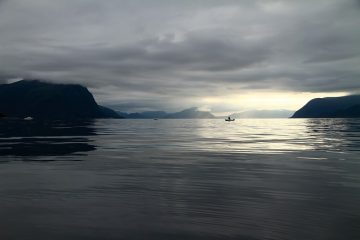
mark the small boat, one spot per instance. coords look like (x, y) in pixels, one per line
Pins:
(229, 119)
(28, 118)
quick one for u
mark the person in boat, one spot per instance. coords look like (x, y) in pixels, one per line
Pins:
(229, 118)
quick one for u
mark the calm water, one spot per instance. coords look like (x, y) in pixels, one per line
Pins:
(180, 179)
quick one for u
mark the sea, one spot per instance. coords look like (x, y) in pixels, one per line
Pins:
(251, 179)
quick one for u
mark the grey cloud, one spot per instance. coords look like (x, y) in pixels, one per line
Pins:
(193, 54)
(165, 51)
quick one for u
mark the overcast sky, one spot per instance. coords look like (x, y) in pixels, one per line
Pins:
(224, 56)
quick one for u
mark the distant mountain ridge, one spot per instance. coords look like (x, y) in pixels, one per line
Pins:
(191, 113)
(143, 115)
(44, 100)
(331, 107)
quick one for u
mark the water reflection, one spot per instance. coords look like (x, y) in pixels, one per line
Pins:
(184, 179)
(337, 135)
(278, 136)
(45, 138)
(257, 136)
(270, 136)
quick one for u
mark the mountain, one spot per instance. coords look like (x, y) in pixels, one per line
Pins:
(106, 112)
(144, 115)
(153, 114)
(187, 113)
(331, 107)
(263, 114)
(191, 113)
(50, 101)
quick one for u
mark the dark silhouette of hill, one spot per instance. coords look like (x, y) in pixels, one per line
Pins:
(50, 101)
(106, 112)
(187, 113)
(331, 107)
(351, 112)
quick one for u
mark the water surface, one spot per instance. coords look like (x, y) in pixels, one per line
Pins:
(180, 179)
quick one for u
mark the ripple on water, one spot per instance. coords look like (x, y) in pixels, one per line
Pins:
(180, 179)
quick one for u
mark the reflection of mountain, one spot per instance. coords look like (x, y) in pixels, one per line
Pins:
(337, 135)
(33, 138)
(332, 107)
(50, 101)
(187, 113)
(263, 114)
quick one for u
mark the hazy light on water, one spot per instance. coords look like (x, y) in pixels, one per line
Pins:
(263, 136)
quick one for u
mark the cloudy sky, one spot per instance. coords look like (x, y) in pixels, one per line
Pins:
(225, 56)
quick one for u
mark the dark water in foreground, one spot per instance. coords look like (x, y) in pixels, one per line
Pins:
(180, 179)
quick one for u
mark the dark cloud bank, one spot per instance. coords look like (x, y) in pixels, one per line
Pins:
(156, 54)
